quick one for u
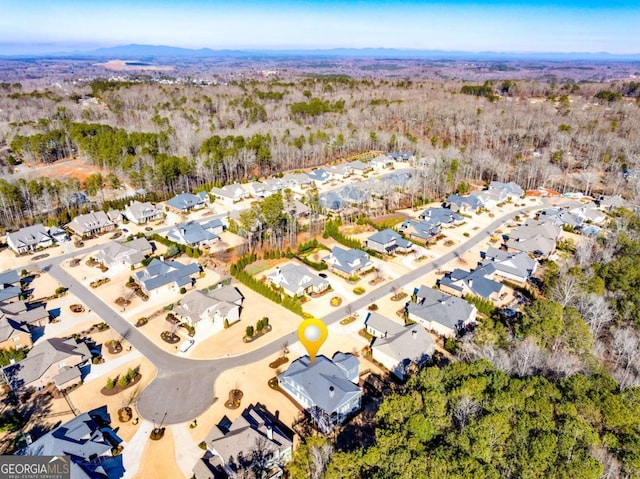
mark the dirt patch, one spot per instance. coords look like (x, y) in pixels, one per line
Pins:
(76, 168)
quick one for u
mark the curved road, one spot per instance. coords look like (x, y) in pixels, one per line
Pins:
(183, 388)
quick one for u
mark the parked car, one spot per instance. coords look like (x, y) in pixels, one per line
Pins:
(322, 275)
(184, 347)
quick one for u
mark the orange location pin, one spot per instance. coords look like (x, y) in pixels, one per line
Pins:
(312, 333)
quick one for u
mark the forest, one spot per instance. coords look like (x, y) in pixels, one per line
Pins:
(170, 138)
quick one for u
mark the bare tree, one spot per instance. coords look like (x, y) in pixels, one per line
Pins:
(564, 289)
(527, 358)
(625, 352)
(465, 410)
(595, 311)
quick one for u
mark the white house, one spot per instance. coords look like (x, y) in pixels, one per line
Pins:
(216, 307)
(29, 238)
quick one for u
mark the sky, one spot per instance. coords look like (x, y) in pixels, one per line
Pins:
(522, 26)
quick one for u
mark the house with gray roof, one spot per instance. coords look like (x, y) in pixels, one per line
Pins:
(256, 438)
(423, 231)
(9, 286)
(28, 315)
(513, 266)
(212, 307)
(87, 442)
(142, 213)
(463, 204)
(59, 235)
(389, 242)
(296, 181)
(319, 176)
(380, 162)
(441, 216)
(28, 239)
(537, 238)
(399, 348)
(360, 168)
(400, 155)
(339, 172)
(91, 224)
(478, 282)
(54, 360)
(506, 190)
(230, 194)
(192, 234)
(348, 262)
(326, 388)
(610, 203)
(440, 312)
(13, 334)
(123, 256)
(161, 277)
(297, 280)
(186, 202)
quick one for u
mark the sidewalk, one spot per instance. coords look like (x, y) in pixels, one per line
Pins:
(188, 453)
(99, 370)
(134, 449)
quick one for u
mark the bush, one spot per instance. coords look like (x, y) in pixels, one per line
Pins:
(60, 290)
(358, 290)
(131, 374)
(141, 322)
(110, 383)
(226, 323)
(451, 345)
(183, 290)
(249, 331)
(123, 381)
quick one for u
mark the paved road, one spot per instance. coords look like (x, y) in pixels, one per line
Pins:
(183, 388)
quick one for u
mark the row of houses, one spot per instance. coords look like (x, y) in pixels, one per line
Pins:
(488, 198)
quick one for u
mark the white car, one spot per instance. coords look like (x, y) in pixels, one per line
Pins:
(184, 347)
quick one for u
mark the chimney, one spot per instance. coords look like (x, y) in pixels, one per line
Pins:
(331, 391)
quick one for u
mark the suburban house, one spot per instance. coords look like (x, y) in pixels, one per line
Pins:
(441, 216)
(141, 213)
(513, 266)
(9, 286)
(610, 203)
(474, 283)
(54, 360)
(185, 202)
(256, 438)
(463, 204)
(339, 172)
(230, 194)
(506, 191)
(115, 216)
(162, 277)
(399, 348)
(534, 237)
(400, 155)
(14, 335)
(381, 162)
(296, 208)
(326, 388)
(87, 441)
(216, 307)
(348, 262)
(439, 312)
(319, 176)
(59, 235)
(122, 256)
(296, 181)
(21, 313)
(192, 234)
(266, 188)
(297, 280)
(29, 238)
(360, 168)
(91, 224)
(388, 242)
(422, 231)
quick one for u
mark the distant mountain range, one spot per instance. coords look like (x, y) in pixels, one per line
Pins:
(135, 51)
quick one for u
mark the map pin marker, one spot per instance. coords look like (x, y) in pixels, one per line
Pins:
(312, 333)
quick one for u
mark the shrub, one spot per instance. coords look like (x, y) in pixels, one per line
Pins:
(123, 381)
(183, 290)
(226, 323)
(358, 290)
(60, 290)
(141, 322)
(131, 374)
(249, 331)
(110, 383)
(451, 345)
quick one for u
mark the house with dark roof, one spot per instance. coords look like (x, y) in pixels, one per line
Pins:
(142, 213)
(478, 282)
(13, 334)
(348, 262)
(389, 242)
(423, 231)
(185, 202)
(54, 360)
(9, 286)
(441, 216)
(212, 307)
(398, 348)
(439, 312)
(29, 238)
(230, 194)
(326, 388)
(87, 441)
(193, 234)
(256, 439)
(123, 256)
(297, 280)
(161, 277)
(512, 266)
(91, 224)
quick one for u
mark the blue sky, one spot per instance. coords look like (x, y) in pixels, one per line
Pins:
(467, 25)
